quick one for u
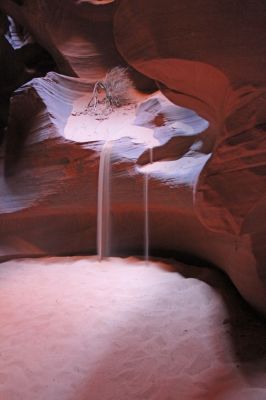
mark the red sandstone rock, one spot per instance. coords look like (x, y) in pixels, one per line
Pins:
(78, 35)
(204, 57)
(49, 188)
(210, 57)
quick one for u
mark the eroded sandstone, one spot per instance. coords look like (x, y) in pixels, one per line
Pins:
(207, 182)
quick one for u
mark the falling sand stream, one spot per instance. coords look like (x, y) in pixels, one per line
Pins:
(146, 212)
(103, 211)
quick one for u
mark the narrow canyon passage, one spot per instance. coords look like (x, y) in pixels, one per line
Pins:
(76, 329)
(132, 129)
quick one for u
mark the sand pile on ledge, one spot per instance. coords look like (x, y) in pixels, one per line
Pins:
(77, 329)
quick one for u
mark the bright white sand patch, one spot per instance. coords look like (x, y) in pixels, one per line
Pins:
(183, 171)
(119, 124)
(77, 329)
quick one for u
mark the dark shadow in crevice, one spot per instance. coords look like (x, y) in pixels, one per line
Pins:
(19, 2)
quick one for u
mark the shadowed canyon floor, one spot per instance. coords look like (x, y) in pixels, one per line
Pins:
(76, 329)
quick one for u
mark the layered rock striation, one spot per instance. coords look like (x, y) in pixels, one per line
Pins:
(207, 181)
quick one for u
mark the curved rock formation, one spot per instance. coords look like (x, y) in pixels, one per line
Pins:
(225, 84)
(11, 73)
(49, 201)
(205, 57)
(21, 59)
(78, 35)
(207, 181)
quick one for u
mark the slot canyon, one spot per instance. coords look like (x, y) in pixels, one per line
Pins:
(132, 200)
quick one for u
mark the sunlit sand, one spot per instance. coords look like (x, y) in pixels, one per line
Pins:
(77, 329)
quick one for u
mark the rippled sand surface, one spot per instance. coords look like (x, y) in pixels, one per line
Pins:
(76, 329)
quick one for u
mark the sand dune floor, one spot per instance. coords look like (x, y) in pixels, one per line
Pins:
(76, 329)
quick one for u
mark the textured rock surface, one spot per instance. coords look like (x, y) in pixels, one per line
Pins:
(21, 59)
(49, 184)
(214, 211)
(217, 72)
(77, 34)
